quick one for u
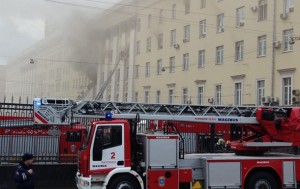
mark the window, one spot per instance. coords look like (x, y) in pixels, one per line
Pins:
(173, 38)
(170, 96)
(262, 46)
(147, 96)
(118, 73)
(201, 59)
(220, 23)
(260, 91)
(187, 6)
(147, 71)
(287, 34)
(172, 64)
(174, 11)
(238, 94)
(185, 65)
(157, 96)
(138, 24)
(138, 47)
(112, 136)
(185, 96)
(262, 10)
(149, 20)
(239, 50)
(202, 28)
(160, 41)
(161, 16)
(219, 54)
(136, 72)
(202, 4)
(218, 95)
(288, 6)
(200, 95)
(159, 67)
(136, 96)
(240, 17)
(287, 90)
(125, 97)
(186, 35)
(148, 45)
(126, 73)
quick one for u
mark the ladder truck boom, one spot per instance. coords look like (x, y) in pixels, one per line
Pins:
(270, 126)
(55, 113)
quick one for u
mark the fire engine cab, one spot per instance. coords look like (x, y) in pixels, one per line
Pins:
(115, 156)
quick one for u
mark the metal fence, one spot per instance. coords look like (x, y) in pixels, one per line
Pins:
(49, 144)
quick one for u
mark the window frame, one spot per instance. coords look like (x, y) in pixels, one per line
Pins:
(239, 50)
(238, 93)
(260, 91)
(147, 69)
(186, 60)
(202, 28)
(220, 55)
(287, 34)
(240, 15)
(220, 23)
(172, 64)
(262, 10)
(173, 37)
(201, 58)
(218, 94)
(262, 46)
(200, 94)
(159, 67)
(186, 33)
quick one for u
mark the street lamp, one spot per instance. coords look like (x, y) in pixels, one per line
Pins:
(33, 79)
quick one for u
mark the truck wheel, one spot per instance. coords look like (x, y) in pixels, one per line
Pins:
(123, 182)
(262, 180)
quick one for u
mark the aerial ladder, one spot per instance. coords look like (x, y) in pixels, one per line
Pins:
(270, 127)
(106, 82)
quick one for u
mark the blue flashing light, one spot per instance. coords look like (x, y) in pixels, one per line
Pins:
(38, 102)
(108, 115)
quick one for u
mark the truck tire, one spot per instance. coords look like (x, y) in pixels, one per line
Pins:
(262, 180)
(123, 182)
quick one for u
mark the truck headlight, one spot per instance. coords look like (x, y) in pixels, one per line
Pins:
(83, 183)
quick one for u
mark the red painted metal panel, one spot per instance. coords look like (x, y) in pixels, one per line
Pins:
(162, 179)
(185, 175)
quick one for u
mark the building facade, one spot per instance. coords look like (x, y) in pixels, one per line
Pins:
(181, 51)
(216, 52)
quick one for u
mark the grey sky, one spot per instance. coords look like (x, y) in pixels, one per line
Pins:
(22, 21)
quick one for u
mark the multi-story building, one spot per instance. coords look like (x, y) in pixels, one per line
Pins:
(216, 51)
(180, 51)
(48, 69)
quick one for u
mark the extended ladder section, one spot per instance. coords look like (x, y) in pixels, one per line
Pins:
(106, 82)
(49, 111)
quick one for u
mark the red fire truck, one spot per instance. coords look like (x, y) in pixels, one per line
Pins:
(115, 156)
